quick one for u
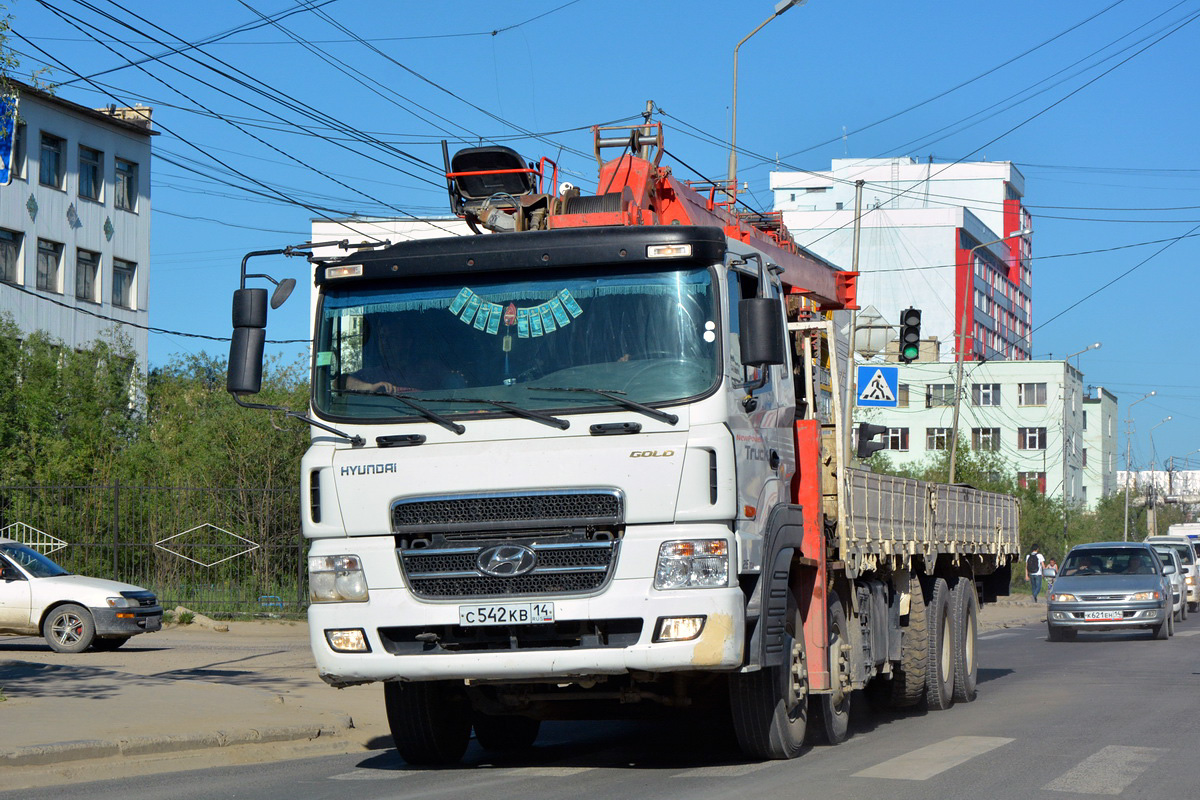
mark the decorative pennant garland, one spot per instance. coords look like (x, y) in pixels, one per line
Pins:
(533, 321)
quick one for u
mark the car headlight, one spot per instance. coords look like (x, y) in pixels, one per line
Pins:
(1063, 597)
(1145, 596)
(336, 579)
(1190, 580)
(692, 564)
(121, 602)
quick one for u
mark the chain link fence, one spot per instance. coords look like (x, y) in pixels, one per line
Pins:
(216, 551)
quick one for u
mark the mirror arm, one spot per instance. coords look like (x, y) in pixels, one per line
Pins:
(356, 441)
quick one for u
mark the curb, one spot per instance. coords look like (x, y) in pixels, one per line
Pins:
(38, 755)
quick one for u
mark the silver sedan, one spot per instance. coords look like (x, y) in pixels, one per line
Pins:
(1110, 586)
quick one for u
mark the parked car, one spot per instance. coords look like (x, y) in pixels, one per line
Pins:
(1111, 586)
(1168, 556)
(1186, 548)
(72, 612)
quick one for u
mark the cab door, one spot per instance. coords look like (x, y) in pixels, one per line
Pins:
(15, 599)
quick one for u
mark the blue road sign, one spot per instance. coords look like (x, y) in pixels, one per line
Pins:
(878, 386)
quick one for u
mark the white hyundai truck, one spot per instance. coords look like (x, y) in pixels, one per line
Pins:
(589, 462)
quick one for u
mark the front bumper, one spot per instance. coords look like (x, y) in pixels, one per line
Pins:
(517, 652)
(1132, 615)
(127, 621)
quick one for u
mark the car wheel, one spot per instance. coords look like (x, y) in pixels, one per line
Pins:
(1054, 633)
(1183, 611)
(1160, 631)
(69, 629)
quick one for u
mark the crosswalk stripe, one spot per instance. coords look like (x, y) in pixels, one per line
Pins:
(726, 771)
(551, 772)
(923, 764)
(1108, 771)
(997, 635)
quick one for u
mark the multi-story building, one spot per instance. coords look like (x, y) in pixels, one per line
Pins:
(1099, 456)
(1030, 413)
(75, 220)
(924, 243)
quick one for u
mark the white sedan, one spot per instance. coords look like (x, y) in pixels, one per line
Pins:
(71, 612)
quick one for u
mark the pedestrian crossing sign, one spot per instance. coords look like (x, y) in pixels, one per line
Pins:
(878, 386)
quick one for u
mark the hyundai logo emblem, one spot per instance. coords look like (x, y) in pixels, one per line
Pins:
(506, 560)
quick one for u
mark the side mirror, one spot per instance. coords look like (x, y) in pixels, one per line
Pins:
(761, 335)
(8, 573)
(1168, 569)
(249, 341)
(283, 290)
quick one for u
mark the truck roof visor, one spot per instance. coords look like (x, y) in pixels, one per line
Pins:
(481, 172)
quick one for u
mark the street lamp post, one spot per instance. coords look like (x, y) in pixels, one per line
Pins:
(1092, 346)
(780, 7)
(1128, 447)
(960, 356)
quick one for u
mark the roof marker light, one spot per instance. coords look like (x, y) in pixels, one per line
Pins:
(353, 271)
(668, 251)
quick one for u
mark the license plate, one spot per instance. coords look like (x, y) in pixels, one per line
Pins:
(506, 614)
(1103, 616)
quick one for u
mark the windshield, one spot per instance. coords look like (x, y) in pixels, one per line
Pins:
(32, 561)
(1108, 561)
(457, 347)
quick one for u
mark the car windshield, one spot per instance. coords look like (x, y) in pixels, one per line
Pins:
(1184, 551)
(530, 340)
(32, 561)
(1108, 561)
(1165, 554)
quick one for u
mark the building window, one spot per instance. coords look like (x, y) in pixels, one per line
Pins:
(49, 266)
(1085, 420)
(50, 166)
(17, 170)
(937, 438)
(87, 267)
(1031, 438)
(939, 394)
(125, 185)
(124, 273)
(1031, 394)
(985, 394)
(902, 395)
(1084, 464)
(897, 439)
(10, 256)
(985, 438)
(1032, 480)
(91, 176)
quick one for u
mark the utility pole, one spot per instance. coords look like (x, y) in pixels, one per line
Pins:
(1128, 450)
(851, 372)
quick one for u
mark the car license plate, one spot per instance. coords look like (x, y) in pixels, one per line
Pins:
(506, 614)
(1102, 616)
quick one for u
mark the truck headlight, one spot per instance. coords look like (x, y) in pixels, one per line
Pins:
(336, 579)
(692, 564)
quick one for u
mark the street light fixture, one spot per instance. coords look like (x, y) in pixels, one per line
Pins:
(960, 355)
(1128, 447)
(1092, 346)
(780, 7)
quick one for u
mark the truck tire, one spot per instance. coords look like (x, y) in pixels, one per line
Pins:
(430, 722)
(939, 677)
(832, 711)
(770, 706)
(965, 618)
(69, 629)
(908, 680)
(505, 734)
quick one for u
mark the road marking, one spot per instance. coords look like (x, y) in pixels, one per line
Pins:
(1109, 771)
(726, 771)
(373, 775)
(923, 764)
(1187, 633)
(996, 635)
(551, 772)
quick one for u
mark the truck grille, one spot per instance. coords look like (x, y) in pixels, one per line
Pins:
(560, 568)
(507, 511)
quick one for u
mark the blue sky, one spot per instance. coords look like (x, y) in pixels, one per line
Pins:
(1094, 101)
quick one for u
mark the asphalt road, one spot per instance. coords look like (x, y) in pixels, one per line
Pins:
(1109, 715)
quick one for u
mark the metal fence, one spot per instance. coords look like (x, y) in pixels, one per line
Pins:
(212, 550)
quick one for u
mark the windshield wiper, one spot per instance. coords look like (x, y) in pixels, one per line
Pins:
(536, 416)
(616, 397)
(432, 416)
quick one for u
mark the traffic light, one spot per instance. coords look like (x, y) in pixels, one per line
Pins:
(910, 335)
(866, 435)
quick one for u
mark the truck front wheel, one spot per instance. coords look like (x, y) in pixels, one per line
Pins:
(430, 722)
(833, 710)
(770, 706)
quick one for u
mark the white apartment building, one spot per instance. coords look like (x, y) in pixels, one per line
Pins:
(75, 220)
(1099, 456)
(1029, 412)
(922, 229)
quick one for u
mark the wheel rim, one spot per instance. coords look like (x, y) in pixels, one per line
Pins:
(797, 691)
(67, 629)
(838, 679)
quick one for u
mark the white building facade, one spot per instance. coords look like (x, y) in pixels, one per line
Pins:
(1030, 413)
(1099, 458)
(920, 227)
(75, 221)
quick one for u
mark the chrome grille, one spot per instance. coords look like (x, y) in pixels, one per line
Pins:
(561, 568)
(500, 511)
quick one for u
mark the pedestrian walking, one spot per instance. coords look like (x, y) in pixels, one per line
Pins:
(1033, 571)
(1050, 572)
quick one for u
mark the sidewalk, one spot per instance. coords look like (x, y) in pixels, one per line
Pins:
(192, 688)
